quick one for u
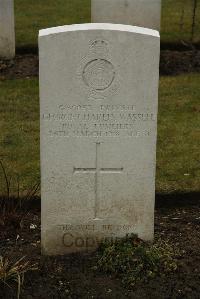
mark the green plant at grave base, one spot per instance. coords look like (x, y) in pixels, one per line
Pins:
(14, 272)
(134, 260)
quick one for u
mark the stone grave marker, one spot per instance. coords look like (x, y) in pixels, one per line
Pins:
(98, 99)
(143, 13)
(7, 29)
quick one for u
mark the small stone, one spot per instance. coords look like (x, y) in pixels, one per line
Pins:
(33, 226)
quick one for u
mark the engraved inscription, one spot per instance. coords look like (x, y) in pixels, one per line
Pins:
(99, 121)
(100, 47)
(95, 227)
(98, 74)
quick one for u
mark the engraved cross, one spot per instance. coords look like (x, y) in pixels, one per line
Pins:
(97, 170)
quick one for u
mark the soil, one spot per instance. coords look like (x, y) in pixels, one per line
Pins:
(73, 277)
(22, 66)
(171, 63)
(176, 62)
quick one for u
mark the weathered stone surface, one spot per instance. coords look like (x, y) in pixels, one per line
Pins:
(7, 29)
(144, 13)
(98, 95)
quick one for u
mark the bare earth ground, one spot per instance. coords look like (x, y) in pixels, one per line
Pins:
(176, 220)
(171, 63)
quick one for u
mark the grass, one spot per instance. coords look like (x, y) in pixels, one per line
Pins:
(177, 18)
(32, 15)
(19, 127)
(14, 272)
(178, 164)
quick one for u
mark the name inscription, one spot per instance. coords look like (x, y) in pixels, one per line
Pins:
(98, 121)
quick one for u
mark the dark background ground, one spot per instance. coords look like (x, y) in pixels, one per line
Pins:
(171, 63)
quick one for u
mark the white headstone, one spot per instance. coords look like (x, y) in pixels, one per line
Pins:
(98, 95)
(143, 13)
(7, 29)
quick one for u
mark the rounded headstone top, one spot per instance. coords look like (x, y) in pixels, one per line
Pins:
(98, 26)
